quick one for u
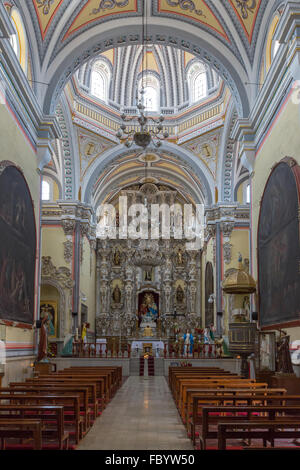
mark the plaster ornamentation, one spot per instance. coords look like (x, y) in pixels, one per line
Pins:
(68, 251)
(227, 252)
(62, 275)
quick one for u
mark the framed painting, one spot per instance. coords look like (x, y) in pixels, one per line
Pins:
(17, 248)
(50, 307)
(278, 246)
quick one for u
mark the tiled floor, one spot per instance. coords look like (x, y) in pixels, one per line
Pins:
(141, 416)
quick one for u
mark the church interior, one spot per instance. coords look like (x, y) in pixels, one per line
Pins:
(150, 224)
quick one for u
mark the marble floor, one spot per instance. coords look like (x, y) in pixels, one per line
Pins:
(142, 416)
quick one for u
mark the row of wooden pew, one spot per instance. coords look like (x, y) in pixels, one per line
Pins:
(218, 406)
(55, 411)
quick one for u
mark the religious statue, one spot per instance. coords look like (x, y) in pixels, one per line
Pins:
(188, 343)
(49, 311)
(221, 347)
(116, 295)
(117, 258)
(246, 307)
(284, 361)
(150, 306)
(43, 343)
(148, 332)
(148, 275)
(179, 295)
(179, 257)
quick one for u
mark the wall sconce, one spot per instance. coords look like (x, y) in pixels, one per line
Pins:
(211, 299)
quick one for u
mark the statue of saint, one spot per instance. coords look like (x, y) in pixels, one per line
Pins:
(188, 343)
(179, 295)
(179, 257)
(116, 295)
(284, 361)
(148, 332)
(43, 343)
(117, 258)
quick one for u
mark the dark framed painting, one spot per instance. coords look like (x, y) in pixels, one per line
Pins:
(279, 248)
(17, 248)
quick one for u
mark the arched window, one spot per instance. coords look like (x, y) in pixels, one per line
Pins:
(151, 95)
(200, 86)
(98, 85)
(272, 45)
(46, 191)
(100, 79)
(19, 39)
(151, 99)
(248, 194)
(197, 80)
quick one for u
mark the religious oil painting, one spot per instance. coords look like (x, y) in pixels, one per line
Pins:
(17, 248)
(279, 248)
(50, 307)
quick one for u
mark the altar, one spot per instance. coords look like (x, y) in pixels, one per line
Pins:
(157, 346)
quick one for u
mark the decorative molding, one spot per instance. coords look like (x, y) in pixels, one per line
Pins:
(68, 251)
(61, 275)
(227, 252)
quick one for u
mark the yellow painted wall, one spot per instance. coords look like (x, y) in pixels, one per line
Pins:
(53, 239)
(240, 244)
(275, 149)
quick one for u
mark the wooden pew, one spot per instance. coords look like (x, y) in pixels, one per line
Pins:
(267, 413)
(196, 373)
(102, 380)
(51, 416)
(213, 383)
(21, 429)
(91, 385)
(71, 404)
(95, 385)
(235, 395)
(268, 431)
(57, 389)
(116, 372)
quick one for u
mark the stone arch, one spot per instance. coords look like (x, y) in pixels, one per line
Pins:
(108, 157)
(127, 31)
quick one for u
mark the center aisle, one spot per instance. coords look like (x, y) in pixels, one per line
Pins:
(142, 416)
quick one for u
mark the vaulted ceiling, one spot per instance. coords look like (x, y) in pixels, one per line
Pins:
(227, 34)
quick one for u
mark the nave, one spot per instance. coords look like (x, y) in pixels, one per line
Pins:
(143, 415)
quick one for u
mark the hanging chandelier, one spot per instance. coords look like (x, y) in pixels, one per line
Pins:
(150, 130)
(146, 134)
